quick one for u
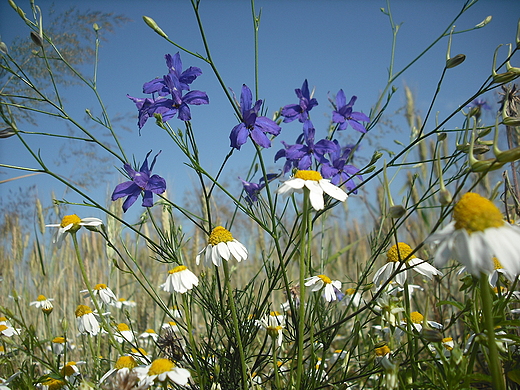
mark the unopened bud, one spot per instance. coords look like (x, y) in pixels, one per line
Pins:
(506, 77)
(441, 136)
(432, 335)
(445, 197)
(455, 61)
(37, 39)
(484, 22)
(485, 165)
(7, 132)
(64, 325)
(511, 121)
(396, 211)
(151, 23)
(376, 156)
(96, 27)
(3, 48)
(369, 169)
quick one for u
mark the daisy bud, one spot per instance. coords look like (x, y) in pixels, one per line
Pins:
(506, 77)
(3, 47)
(511, 121)
(484, 22)
(96, 27)
(455, 61)
(432, 335)
(151, 23)
(396, 211)
(376, 156)
(445, 197)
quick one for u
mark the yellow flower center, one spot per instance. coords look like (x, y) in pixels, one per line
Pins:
(177, 269)
(71, 219)
(220, 234)
(81, 310)
(445, 342)
(139, 351)
(476, 213)
(350, 291)
(160, 366)
(399, 252)
(3, 319)
(151, 331)
(100, 286)
(172, 323)
(125, 362)
(122, 327)
(416, 317)
(496, 263)
(54, 384)
(41, 298)
(68, 369)
(325, 279)
(58, 340)
(274, 313)
(308, 175)
(3, 327)
(382, 351)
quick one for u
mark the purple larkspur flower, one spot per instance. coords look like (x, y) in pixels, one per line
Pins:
(301, 110)
(301, 154)
(141, 182)
(174, 64)
(344, 115)
(253, 189)
(338, 171)
(252, 125)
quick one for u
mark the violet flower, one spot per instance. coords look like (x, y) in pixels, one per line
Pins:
(253, 189)
(252, 125)
(303, 153)
(141, 182)
(301, 110)
(345, 116)
(338, 171)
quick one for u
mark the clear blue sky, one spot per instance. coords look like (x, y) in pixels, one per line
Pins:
(334, 44)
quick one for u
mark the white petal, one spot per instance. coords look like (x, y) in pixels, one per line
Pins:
(333, 191)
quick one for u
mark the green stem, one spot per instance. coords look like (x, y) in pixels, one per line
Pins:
(487, 311)
(193, 345)
(235, 324)
(91, 292)
(275, 364)
(303, 257)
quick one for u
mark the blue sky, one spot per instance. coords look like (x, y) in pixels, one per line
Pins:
(334, 44)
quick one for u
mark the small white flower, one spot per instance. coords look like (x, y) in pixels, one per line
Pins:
(161, 370)
(273, 323)
(180, 279)
(123, 366)
(8, 330)
(315, 184)
(172, 325)
(58, 345)
(123, 302)
(353, 296)
(478, 233)
(43, 303)
(149, 334)
(322, 281)
(104, 293)
(124, 333)
(222, 245)
(86, 321)
(71, 224)
(398, 257)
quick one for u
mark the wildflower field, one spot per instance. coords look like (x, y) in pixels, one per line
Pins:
(316, 269)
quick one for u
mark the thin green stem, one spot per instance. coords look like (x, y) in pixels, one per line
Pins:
(234, 317)
(487, 311)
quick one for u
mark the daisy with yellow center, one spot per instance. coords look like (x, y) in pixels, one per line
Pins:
(162, 370)
(180, 279)
(71, 224)
(313, 182)
(149, 334)
(273, 323)
(123, 302)
(123, 333)
(86, 321)
(43, 303)
(170, 326)
(8, 330)
(58, 345)
(53, 384)
(353, 296)
(324, 282)
(122, 367)
(395, 257)
(222, 245)
(105, 294)
(477, 233)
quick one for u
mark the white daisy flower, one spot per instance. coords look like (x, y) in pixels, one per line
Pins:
(477, 234)
(8, 330)
(171, 325)
(104, 293)
(222, 245)
(493, 276)
(43, 303)
(315, 184)
(70, 371)
(122, 367)
(273, 323)
(71, 224)
(58, 345)
(180, 279)
(351, 295)
(53, 384)
(124, 333)
(162, 370)
(123, 302)
(86, 321)
(149, 334)
(324, 282)
(395, 256)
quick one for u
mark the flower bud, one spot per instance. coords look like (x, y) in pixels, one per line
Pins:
(506, 77)
(485, 165)
(484, 22)
(96, 27)
(511, 121)
(151, 23)
(445, 197)
(441, 136)
(455, 61)
(376, 156)
(432, 335)
(37, 39)
(3, 47)
(7, 132)
(396, 211)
